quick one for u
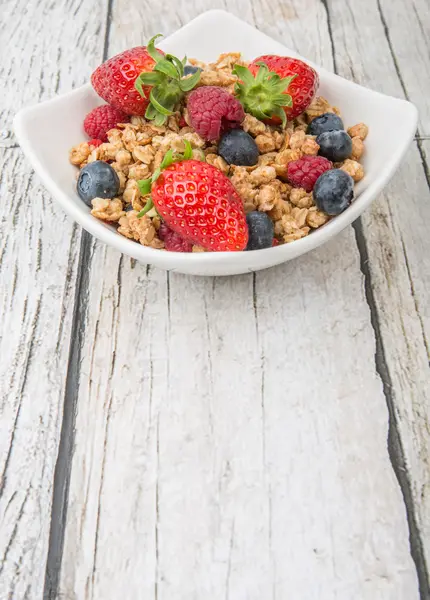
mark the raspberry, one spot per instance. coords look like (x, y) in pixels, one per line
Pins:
(305, 171)
(98, 122)
(95, 143)
(212, 111)
(172, 240)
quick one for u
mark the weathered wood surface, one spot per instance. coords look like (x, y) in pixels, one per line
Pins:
(274, 480)
(44, 48)
(395, 240)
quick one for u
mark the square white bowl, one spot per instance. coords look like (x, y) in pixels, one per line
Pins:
(216, 31)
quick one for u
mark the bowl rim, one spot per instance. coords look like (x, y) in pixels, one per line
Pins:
(279, 254)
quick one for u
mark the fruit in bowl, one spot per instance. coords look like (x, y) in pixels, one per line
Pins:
(226, 156)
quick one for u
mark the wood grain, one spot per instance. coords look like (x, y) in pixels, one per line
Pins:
(231, 434)
(35, 301)
(396, 242)
(407, 30)
(48, 46)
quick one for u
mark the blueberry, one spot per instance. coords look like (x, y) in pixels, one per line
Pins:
(97, 180)
(334, 191)
(260, 229)
(189, 69)
(326, 122)
(334, 145)
(238, 148)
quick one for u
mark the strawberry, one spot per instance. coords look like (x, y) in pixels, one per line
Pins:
(276, 87)
(197, 201)
(201, 204)
(143, 81)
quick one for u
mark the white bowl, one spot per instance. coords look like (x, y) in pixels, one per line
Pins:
(392, 125)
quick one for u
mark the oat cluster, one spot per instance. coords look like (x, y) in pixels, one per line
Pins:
(137, 148)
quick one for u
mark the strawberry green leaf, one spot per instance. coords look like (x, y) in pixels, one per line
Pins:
(146, 208)
(167, 160)
(178, 64)
(188, 83)
(160, 119)
(166, 67)
(188, 150)
(153, 212)
(151, 112)
(156, 175)
(153, 78)
(152, 50)
(158, 106)
(244, 74)
(280, 113)
(167, 84)
(262, 73)
(144, 186)
(138, 84)
(282, 100)
(264, 95)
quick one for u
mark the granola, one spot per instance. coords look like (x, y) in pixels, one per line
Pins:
(137, 149)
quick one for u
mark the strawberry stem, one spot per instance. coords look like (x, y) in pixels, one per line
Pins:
(264, 95)
(146, 208)
(167, 82)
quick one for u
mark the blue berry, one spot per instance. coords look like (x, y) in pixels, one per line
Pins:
(260, 230)
(334, 191)
(238, 148)
(325, 122)
(189, 69)
(97, 180)
(334, 145)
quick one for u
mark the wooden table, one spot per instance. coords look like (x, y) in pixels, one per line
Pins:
(263, 437)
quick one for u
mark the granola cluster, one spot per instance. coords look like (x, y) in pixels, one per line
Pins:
(136, 149)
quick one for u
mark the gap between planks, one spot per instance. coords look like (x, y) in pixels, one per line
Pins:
(395, 445)
(63, 467)
(65, 450)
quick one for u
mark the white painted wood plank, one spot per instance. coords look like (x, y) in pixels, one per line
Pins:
(231, 436)
(37, 276)
(408, 24)
(397, 240)
(45, 49)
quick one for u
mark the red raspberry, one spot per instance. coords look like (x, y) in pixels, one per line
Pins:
(98, 122)
(275, 242)
(172, 240)
(182, 122)
(212, 111)
(305, 171)
(95, 143)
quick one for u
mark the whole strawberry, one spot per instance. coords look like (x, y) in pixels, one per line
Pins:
(114, 80)
(213, 111)
(98, 122)
(200, 203)
(143, 81)
(284, 87)
(305, 171)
